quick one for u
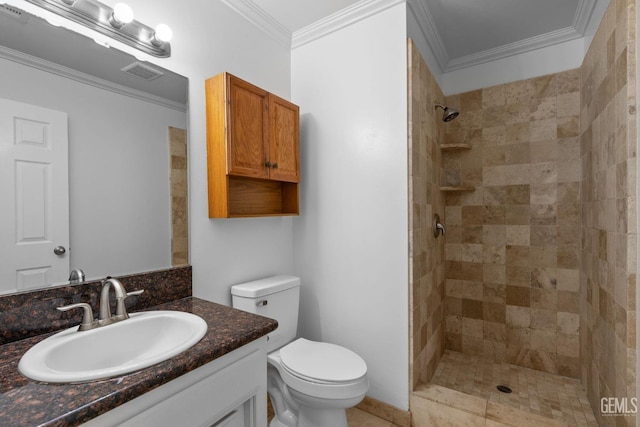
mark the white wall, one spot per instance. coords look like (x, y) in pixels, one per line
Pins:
(118, 170)
(350, 241)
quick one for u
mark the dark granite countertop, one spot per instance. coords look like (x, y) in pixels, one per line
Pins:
(24, 402)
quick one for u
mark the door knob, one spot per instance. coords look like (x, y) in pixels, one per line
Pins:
(59, 250)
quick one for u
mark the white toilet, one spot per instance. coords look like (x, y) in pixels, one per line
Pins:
(310, 383)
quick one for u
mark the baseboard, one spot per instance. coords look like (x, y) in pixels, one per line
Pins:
(385, 411)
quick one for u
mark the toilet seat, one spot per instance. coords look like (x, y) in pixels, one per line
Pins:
(311, 366)
(321, 362)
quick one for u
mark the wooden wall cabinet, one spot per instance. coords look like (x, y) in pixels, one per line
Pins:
(253, 150)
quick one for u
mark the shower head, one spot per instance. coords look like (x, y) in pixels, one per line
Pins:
(449, 114)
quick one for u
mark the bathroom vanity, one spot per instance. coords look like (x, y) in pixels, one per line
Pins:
(220, 381)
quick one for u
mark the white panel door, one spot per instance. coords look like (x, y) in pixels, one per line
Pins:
(34, 195)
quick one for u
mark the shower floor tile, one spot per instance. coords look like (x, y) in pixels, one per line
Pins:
(549, 395)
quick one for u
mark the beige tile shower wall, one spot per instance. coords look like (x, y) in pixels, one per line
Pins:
(426, 253)
(513, 245)
(609, 204)
(178, 181)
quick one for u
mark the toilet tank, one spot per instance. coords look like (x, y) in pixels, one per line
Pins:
(276, 297)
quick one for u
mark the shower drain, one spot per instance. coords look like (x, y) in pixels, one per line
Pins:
(504, 389)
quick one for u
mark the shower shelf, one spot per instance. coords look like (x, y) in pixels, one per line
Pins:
(453, 188)
(455, 147)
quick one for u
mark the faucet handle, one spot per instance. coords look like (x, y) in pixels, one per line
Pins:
(133, 293)
(438, 228)
(87, 316)
(121, 310)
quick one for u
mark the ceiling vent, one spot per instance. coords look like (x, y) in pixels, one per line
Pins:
(15, 13)
(143, 71)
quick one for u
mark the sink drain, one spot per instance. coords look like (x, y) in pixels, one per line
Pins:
(504, 389)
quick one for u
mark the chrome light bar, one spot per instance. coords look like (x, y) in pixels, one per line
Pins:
(101, 18)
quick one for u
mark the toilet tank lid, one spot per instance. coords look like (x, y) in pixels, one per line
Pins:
(266, 286)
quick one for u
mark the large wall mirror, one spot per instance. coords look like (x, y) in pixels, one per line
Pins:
(103, 205)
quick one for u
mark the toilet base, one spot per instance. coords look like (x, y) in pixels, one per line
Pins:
(275, 423)
(318, 412)
(321, 417)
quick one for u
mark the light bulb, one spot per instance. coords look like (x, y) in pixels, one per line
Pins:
(163, 33)
(122, 15)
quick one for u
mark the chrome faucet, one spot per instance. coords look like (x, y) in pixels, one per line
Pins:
(105, 305)
(105, 318)
(76, 276)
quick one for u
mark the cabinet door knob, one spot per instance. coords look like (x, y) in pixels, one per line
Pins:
(275, 166)
(268, 164)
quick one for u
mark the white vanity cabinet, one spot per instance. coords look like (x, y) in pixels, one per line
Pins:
(230, 391)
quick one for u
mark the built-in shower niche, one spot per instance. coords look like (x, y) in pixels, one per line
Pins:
(452, 181)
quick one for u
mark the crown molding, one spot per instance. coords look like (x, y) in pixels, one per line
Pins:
(62, 71)
(343, 18)
(420, 11)
(516, 48)
(584, 12)
(423, 16)
(258, 17)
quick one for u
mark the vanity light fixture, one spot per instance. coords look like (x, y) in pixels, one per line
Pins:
(117, 23)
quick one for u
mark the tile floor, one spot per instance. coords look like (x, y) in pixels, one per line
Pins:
(540, 393)
(358, 418)
(436, 406)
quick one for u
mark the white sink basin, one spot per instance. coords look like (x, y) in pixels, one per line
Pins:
(108, 351)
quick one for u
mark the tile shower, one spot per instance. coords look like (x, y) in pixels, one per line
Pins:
(513, 247)
(538, 265)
